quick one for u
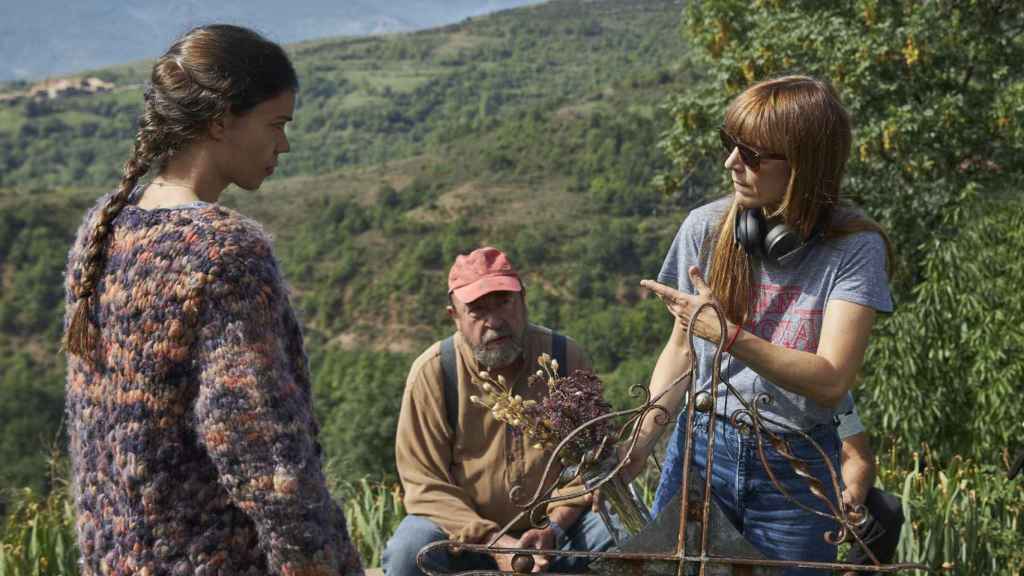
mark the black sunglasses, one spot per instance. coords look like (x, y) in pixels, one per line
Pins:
(750, 157)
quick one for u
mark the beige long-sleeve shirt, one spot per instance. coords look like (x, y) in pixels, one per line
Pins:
(462, 480)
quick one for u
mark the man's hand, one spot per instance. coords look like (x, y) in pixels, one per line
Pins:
(504, 561)
(540, 539)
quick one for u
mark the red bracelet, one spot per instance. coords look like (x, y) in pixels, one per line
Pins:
(733, 339)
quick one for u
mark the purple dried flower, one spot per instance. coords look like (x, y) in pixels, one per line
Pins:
(571, 402)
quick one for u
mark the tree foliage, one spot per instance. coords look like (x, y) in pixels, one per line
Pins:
(947, 369)
(936, 93)
(935, 90)
(357, 396)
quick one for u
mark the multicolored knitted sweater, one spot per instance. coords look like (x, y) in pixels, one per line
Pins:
(192, 437)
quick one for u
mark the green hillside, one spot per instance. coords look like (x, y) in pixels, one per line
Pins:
(534, 130)
(369, 100)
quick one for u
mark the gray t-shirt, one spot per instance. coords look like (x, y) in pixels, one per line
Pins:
(788, 307)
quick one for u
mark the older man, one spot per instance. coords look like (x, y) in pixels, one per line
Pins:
(457, 462)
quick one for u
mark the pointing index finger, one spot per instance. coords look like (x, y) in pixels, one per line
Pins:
(660, 289)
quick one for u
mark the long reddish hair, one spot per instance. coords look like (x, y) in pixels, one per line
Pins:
(802, 118)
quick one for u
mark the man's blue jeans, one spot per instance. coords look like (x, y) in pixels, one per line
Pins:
(415, 532)
(776, 526)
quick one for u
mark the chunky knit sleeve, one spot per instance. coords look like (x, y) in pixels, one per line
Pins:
(253, 412)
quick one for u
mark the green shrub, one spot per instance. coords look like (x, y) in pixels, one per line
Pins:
(374, 512)
(964, 514)
(357, 399)
(946, 368)
(38, 536)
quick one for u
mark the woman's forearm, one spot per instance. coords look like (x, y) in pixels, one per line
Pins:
(858, 468)
(824, 375)
(804, 373)
(673, 362)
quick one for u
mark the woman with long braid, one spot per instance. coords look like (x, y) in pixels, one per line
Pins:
(193, 442)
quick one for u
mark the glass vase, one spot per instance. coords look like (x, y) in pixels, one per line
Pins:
(621, 508)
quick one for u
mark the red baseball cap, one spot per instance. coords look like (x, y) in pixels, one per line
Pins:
(481, 272)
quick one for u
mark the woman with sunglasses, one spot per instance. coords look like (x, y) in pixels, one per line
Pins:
(800, 277)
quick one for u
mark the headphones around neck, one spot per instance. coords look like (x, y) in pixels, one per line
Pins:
(777, 243)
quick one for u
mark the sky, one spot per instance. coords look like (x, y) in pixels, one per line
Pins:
(46, 38)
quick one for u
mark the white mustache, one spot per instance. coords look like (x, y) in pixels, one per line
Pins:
(493, 335)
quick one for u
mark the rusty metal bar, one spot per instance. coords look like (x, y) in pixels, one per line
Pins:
(649, 557)
(638, 562)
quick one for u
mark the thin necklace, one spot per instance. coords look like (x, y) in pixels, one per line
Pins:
(168, 184)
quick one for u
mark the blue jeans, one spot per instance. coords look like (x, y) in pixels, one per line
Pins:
(415, 532)
(777, 527)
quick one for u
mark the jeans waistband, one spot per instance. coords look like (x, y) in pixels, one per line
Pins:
(701, 420)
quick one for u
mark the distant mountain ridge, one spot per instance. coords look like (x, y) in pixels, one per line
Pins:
(48, 37)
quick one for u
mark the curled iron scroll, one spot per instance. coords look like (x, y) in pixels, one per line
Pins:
(748, 418)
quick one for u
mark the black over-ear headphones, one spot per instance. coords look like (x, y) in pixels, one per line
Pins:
(777, 242)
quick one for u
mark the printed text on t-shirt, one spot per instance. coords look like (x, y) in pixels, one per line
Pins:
(776, 317)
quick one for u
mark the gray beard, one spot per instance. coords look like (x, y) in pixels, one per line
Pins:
(499, 357)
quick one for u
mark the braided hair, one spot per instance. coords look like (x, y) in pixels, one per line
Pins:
(209, 72)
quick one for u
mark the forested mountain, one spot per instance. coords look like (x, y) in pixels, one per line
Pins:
(529, 129)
